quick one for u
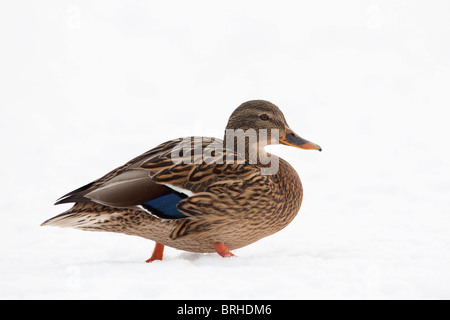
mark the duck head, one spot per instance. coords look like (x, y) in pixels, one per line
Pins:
(261, 114)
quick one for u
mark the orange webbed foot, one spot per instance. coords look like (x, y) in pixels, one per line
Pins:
(157, 253)
(222, 249)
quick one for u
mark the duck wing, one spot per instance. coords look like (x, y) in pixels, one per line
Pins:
(171, 172)
(127, 185)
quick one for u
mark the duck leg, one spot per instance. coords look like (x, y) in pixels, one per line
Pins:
(157, 253)
(222, 249)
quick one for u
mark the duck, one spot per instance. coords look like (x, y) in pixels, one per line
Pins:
(199, 194)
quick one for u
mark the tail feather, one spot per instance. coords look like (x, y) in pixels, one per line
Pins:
(86, 216)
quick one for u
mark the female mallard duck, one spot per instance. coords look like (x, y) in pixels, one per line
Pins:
(198, 194)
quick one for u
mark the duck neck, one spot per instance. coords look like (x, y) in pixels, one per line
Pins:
(249, 147)
(243, 145)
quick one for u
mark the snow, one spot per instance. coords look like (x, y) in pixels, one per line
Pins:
(88, 85)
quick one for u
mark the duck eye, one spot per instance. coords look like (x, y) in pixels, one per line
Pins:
(264, 117)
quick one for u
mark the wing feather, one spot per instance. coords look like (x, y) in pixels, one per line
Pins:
(208, 186)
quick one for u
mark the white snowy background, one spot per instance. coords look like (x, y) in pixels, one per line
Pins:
(87, 85)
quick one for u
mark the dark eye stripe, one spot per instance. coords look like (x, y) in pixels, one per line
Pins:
(264, 117)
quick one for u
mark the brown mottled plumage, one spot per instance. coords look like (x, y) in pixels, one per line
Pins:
(223, 206)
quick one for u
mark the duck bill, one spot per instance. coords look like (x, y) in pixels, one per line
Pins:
(290, 138)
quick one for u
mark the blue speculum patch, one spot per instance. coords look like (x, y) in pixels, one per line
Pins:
(165, 206)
